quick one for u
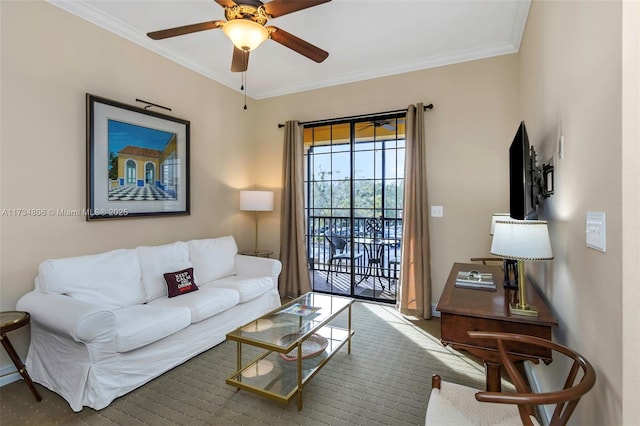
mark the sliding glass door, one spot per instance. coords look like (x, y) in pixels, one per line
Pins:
(354, 185)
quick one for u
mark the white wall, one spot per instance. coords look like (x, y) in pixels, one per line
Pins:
(568, 75)
(43, 143)
(50, 59)
(468, 133)
(571, 84)
(630, 211)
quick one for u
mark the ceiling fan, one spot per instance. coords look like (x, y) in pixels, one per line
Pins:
(386, 124)
(245, 26)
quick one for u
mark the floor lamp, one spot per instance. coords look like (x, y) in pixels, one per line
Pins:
(522, 240)
(256, 201)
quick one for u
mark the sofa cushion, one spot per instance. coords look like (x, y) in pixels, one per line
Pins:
(204, 303)
(139, 325)
(180, 282)
(157, 260)
(213, 258)
(247, 287)
(110, 279)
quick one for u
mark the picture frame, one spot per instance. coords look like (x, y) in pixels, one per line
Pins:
(137, 162)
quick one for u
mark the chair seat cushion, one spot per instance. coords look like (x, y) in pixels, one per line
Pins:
(139, 325)
(203, 304)
(247, 287)
(346, 255)
(456, 405)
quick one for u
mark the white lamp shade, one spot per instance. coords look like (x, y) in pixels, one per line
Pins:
(245, 34)
(256, 201)
(521, 240)
(496, 217)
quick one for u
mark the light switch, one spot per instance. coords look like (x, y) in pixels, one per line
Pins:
(437, 211)
(597, 230)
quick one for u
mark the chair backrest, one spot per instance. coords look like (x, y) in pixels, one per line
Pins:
(337, 243)
(565, 400)
(373, 227)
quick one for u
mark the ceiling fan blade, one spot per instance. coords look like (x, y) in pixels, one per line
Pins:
(277, 8)
(186, 29)
(297, 44)
(226, 3)
(240, 60)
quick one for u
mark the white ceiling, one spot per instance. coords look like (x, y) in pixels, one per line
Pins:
(365, 38)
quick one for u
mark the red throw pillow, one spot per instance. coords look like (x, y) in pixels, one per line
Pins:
(180, 282)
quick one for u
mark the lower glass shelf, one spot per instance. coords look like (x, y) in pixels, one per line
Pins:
(272, 376)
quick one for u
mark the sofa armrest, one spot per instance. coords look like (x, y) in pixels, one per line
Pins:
(258, 266)
(83, 321)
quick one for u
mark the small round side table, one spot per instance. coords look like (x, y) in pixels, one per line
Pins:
(256, 253)
(12, 320)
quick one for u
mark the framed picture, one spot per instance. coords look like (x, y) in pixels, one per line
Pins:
(137, 162)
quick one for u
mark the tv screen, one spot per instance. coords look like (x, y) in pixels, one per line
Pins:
(520, 180)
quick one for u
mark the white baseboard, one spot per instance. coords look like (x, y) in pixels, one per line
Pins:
(433, 310)
(544, 410)
(9, 374)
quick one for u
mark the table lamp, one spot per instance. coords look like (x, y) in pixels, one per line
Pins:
(496, 217)
(256, 201)
(522, 240)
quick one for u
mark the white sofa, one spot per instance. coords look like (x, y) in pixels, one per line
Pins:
(102, 325)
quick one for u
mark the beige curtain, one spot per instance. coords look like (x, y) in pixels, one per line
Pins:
(294, 279)
(415, 272)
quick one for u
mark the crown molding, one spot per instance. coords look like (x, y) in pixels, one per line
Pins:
(84, 10)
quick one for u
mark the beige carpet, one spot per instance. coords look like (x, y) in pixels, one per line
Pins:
(385, 381)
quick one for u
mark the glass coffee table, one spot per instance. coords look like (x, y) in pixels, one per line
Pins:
(299, 338)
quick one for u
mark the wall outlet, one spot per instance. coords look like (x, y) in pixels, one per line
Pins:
(437, 211)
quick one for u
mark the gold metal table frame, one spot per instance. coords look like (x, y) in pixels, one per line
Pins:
(272, 376)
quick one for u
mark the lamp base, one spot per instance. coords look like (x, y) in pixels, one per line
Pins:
(526, 310)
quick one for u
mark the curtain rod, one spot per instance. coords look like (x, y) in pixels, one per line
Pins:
(305, 123)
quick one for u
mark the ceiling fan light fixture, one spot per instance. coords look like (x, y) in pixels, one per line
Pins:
(245, 34)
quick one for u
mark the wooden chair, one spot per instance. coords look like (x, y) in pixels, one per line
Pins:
(453, 404)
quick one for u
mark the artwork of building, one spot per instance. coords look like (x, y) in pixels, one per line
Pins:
(140, 167)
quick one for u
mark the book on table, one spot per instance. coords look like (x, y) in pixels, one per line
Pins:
(301, 310)
(475, 279)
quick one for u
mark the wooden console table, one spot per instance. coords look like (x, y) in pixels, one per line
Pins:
(463, 309)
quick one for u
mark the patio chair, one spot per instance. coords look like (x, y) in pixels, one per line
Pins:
(394, 266)
(373, 229)
(339, 251)
(454, 404)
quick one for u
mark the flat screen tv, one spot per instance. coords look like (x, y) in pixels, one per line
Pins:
(521, 196)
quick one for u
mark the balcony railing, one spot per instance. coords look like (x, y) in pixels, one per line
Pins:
(354, 230)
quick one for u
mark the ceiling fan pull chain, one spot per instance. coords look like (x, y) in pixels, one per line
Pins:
(244, 88)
